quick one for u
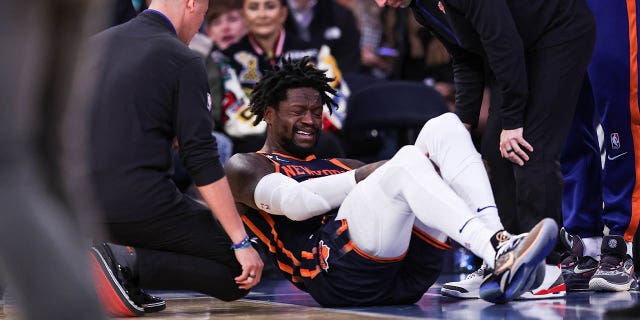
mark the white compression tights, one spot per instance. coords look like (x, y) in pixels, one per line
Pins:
(382, 209)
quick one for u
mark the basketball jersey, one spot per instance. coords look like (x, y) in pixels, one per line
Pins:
(288, 241)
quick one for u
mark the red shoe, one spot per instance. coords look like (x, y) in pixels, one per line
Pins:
(110, 289)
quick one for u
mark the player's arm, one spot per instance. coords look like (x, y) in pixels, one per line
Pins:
(244, 171)
(362, 170)
(256, 185)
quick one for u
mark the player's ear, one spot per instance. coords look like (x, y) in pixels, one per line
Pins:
(269, 114)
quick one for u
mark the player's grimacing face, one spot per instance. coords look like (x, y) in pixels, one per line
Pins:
(298, 121)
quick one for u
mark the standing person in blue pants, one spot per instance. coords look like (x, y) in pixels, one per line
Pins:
(610, 96)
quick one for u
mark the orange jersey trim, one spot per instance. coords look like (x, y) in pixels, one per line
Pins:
(430, 240)
(340, 164)
(342, 228)
(258, 233)
(635, 117)
(308, 158)
(310, 273)
(307, 255)
(279, 244)
(351, 246)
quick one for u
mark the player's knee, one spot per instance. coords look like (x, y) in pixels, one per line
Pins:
(408, 153)
(446, 127)
(410, 158)
(447, 124)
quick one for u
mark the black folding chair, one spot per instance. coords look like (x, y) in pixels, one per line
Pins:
(385, 116)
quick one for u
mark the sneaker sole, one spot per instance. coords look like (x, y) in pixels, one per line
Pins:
(522, 271)
(599, 284)
(577, 283)
(456, 292)
(154, 307)
(113, 297)
(551, 293)
(494, 292)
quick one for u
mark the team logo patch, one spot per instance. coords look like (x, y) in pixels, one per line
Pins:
(615, 141)
(249, 62)
(323, 255)
(612, 243)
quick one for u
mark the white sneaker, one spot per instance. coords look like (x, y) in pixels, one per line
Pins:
(552, 286)
(469, 288)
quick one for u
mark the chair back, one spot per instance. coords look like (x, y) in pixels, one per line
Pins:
(385, 116)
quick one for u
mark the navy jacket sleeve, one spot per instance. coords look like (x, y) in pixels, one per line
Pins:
(194, 125)
(504, 50)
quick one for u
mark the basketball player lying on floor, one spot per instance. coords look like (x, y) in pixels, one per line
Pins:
(352, 234)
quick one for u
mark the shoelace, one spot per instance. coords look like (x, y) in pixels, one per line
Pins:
(478, 273)
(611, 262)
(508, 245)
(567, 259)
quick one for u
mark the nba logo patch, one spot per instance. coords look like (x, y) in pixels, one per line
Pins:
(323, 255)
(615, 141)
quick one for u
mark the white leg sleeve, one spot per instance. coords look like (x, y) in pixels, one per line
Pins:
(382, 208)
(449, 146)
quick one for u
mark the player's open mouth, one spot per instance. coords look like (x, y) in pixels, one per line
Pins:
(305, 134)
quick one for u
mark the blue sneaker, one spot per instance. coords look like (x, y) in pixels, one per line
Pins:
(517, 262)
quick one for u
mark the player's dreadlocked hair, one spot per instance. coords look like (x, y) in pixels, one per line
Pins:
(289, 74)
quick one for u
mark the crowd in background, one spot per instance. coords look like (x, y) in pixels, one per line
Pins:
(358, 42)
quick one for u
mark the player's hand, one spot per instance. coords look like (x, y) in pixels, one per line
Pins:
(514, 147)
(252, 265)
(367, 169)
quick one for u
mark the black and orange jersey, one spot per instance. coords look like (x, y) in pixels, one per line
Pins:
(282, 237)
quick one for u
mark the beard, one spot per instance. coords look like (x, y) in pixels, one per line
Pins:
(297, 151)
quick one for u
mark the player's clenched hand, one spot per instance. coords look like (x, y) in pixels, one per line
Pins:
(513, 146)
(252, 266)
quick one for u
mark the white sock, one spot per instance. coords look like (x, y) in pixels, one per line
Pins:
(592, 247)
(475, 236)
